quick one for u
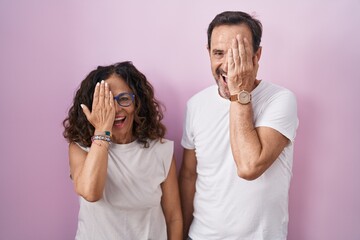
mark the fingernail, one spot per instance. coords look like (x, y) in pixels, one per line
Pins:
(102, 81)
(82, 105)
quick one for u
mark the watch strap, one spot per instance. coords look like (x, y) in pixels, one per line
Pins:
(234, 97)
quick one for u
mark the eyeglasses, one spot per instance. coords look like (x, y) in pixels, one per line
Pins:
(125, 99)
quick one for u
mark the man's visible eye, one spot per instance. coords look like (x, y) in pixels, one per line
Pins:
(218, 54)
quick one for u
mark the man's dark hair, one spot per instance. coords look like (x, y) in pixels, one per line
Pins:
(236, 18)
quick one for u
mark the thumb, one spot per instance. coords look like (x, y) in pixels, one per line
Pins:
(85, 110)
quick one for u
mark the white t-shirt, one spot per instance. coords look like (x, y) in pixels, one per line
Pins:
(225, 205)
(130, 207)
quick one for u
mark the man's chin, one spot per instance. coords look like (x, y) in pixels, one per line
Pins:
(222, 88)
(223, 92)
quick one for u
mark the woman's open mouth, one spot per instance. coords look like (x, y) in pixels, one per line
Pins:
(119, 121)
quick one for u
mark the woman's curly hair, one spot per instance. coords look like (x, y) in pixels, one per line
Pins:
(148, 111)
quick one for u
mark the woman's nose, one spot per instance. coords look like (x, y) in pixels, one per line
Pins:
(118, 108)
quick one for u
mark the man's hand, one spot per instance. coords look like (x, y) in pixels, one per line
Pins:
(242, 66)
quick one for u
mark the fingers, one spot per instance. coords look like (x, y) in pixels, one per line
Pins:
(86, 111)
(102, 113)
(230, 60)
(96, 94)
(111, 99)
(248, 51)
(107, 94)
(241, 51)
(242, 64)
(102, 96)
(241, 47)
(233, 58)
(236, 50)
(102, 93)
(245, 50)
(240, 54)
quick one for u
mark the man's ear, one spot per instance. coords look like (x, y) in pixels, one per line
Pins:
(258, 53)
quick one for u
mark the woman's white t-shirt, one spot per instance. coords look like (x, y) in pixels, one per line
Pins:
(130, 207)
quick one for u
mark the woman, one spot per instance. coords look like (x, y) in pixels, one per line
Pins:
(122, 167)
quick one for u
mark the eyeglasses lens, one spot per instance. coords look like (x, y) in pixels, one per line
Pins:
(124, 99)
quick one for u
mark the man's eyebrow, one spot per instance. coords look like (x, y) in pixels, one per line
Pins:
(217, 51)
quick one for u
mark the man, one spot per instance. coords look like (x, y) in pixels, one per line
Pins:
(238, 142)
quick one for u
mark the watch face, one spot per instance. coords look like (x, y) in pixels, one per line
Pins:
(244, 97)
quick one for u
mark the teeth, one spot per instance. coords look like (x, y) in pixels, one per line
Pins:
(224, 77)
(119, 118)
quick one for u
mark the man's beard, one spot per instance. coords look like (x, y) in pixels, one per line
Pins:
(221, 81)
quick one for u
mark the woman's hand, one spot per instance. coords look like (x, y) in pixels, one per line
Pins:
(102, 115)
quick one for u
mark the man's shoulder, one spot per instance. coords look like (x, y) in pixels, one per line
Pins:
(203, 95)
(271, 89)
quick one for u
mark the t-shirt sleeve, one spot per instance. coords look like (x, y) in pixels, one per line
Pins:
(187, 140)
(281, 114)
(166, 151)
(86, 149)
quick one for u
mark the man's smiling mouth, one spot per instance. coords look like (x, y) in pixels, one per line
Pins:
(224, 77)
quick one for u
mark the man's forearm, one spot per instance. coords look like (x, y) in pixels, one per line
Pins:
(245, 143)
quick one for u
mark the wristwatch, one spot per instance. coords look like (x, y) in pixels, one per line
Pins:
(243, 97)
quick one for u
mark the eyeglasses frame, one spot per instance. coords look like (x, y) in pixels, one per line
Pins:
(117, 97)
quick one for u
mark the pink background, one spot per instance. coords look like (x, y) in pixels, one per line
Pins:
(47, 47)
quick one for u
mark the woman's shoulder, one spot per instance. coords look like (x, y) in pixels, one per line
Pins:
(81, 146)
(162, 142)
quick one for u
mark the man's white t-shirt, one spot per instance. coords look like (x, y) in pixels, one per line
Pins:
(225, 205)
